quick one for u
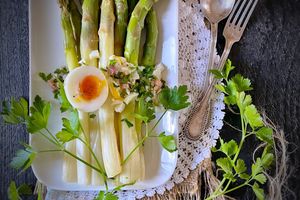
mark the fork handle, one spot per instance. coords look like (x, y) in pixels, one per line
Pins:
(227, 48)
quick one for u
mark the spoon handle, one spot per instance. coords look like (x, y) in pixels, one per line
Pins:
(199, 121)
(213, 43)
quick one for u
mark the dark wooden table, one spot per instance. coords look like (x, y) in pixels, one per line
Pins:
(268, 54)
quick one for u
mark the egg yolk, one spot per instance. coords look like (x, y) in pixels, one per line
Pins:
(114, 92)
(90, 87)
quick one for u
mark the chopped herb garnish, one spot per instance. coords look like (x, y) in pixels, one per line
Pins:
(92, 116)
(112, 62)
(129, 124)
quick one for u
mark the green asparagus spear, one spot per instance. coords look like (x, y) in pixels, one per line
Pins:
(69, 40)
(89, 36)
(135, 26)
(148, 59)
(120, 26)
(151, 39)
(136, 162)
(76, 24)
(131, 5)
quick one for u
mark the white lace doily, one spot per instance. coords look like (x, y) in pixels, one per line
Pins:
(194, 39)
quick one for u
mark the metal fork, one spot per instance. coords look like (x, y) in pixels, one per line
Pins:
(233, 32)
(236, 25)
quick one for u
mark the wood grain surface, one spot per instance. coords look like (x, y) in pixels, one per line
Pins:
(14, 78)
(268, 54)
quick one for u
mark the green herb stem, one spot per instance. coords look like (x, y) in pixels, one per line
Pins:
(152, 129)
(71, 154)
(93, 154)
(227, 185)
(49, 151)
(52, 136)
(76, 157)
(213, 196)
(83, 132)
(49, 139)
(215, 193)
(83, 161)
(134, 149)
(252, 133)
(235, 188)
(148, 134)
(146, 127)
(101, 171)
(153, 136)
(244, 130)
(244, 136)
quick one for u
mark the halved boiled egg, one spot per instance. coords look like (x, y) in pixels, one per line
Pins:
(86, 88)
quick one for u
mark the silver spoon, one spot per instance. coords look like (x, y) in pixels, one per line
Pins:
(214, 11)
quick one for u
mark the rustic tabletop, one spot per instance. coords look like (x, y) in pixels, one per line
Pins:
(268, 54)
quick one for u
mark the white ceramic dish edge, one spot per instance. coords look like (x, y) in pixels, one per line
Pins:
(170, 122)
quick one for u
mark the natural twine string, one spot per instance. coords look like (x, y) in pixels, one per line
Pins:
(203, 181)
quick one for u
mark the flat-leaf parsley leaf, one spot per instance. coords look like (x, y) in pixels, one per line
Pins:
(174, 99)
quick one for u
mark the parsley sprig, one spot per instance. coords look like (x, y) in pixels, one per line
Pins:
(56, 81)
(15, 193)
(234, 168)
(36, 118)
(36, 122)
(172, 99)
(111, 195)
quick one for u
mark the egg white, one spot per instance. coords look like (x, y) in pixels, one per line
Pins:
(71, 86)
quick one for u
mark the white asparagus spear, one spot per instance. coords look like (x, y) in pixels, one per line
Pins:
(69, 163)
(88, 43)
(109, 144)
(97, 179)
(132, 169)
(83, 171)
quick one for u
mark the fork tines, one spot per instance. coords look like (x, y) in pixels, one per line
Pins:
(241, 13)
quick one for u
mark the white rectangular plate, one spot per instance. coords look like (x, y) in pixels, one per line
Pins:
(46, 54)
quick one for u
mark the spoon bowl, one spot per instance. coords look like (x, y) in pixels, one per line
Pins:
(216, 10)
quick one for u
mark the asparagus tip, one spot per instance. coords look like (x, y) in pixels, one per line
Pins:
(63, 3)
